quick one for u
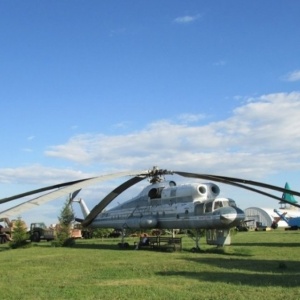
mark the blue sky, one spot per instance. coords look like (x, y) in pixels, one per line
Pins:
(94, 87)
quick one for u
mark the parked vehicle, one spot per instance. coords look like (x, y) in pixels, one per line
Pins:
(6, 231)
(39, 231)
(292, 222)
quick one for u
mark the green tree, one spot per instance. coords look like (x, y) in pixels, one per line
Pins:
(19, 235)
(63, 236)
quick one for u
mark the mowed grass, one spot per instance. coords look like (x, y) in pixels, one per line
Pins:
(258, 265)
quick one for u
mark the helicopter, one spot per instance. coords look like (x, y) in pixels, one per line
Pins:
(160, 205)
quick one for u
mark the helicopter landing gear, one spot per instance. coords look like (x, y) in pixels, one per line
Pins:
(196, 238)
(122, 244)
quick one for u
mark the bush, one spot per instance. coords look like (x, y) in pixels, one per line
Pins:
(63, 236)
(20, 235)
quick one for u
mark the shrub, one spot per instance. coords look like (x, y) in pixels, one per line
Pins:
(20, 235)
(63, 235)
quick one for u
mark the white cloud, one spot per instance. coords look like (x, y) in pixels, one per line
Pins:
(261, 137)
(186, 19)
(37, 174)
(191, 118)
(121, 125)
(292, 76)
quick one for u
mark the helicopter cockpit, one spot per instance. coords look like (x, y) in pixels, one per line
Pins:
(223, 202)
(210, 206)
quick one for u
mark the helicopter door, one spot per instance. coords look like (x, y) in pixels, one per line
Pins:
(208, 207)
(199, 209)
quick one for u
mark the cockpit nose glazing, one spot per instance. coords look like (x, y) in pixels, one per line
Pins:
(231, 216)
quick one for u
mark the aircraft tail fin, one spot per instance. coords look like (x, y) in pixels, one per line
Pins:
(288, 197)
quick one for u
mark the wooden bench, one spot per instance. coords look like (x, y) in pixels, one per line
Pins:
(168, 244)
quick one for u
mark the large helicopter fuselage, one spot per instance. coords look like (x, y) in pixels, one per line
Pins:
(167, 206)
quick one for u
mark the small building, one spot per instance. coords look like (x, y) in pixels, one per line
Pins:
(266, 216)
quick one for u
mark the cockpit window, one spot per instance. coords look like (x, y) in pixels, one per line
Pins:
(218, 204)
(232, 203)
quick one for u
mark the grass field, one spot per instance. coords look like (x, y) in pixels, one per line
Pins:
(258, 265)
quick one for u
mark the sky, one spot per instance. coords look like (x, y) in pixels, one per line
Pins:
(95, 87)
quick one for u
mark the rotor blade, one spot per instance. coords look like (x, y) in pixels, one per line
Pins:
(110, 197)
(16, 210)
(232, 179)
(73, 195)
(256, 191)
(264, 185)
(44, 189)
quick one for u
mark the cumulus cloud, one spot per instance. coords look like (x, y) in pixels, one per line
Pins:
(38, 174)
(292, 76)
(191, 118)
(261, 136)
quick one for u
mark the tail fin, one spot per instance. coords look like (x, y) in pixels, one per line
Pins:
(288, 197)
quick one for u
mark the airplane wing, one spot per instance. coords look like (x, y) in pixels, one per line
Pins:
(18, 209)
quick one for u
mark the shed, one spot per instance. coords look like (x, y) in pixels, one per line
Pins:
(267, 215)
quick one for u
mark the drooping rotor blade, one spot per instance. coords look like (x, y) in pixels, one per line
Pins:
(225, 179)
(254, 190)
(230, 181)
(261, 184)
(110, 197)
(18, 209)
(44, 189)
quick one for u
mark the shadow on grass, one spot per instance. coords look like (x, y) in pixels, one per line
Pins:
(83, 244)
(101, 246)
(87, 244)
(4, 248)
(259, 273)
(261, 244)
(224, 251)
(239, 278)
(114, 246)
(250, 265)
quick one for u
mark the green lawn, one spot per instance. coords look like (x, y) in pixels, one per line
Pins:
(258, 265)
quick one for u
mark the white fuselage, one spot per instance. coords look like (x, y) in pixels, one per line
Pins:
(167, 206)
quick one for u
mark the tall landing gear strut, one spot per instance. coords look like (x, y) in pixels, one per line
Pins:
(196, 238)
